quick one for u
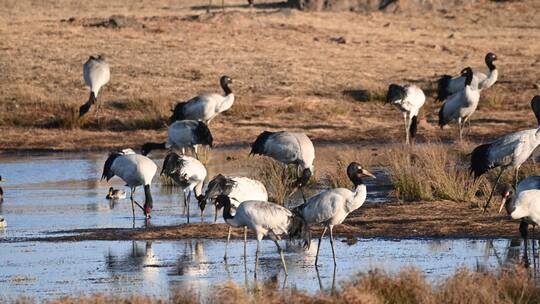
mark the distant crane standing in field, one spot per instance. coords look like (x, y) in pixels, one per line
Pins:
(265, 219)
(524, 204)
(188, 173)
(134, 169)
(461, 105)
(96, 73)
(238, 189)
(409, 99)
(448, 85)
(332, 206)
(205, 107)
(509, 151)
(182, 134)
(288, 148)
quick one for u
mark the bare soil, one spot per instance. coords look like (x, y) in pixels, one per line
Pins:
(442, 219)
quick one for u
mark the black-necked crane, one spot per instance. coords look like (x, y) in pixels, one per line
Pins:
(115, 194)
(265, 219)
(461, 105)
(507, 152)
(239, 189)
(188, 173)
(96, 73)
(448, 85)
(181, 135)
(207, 106)
(409, 99)
(135, 170)
(523, 204)
(331, 207)
(288, 148)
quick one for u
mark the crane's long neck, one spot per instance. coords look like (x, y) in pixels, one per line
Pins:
(490, 80)
(226, 89)
(226, 103)
(510, 206)
(228, 217)
(359, 193)
(198, 188)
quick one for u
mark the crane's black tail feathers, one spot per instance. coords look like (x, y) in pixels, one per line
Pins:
(480, 163)
(178, 112)
(203, 135)
(442, 121)
(220, 184)
(86, 107)
(299, 229)
(535, 105)
(395, 93)
(414, 126)
(172, 168)
(107, 171)
(442, 87)
(257, 147)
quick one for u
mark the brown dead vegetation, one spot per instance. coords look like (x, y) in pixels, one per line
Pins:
(409, 286)
(290, 74)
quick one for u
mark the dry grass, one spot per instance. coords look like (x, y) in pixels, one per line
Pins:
(409, 286)
(288, 73)
(277, 180)
(431, 171)
(335, 175)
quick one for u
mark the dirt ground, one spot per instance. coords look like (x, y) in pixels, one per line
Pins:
(290, 68)
(393, 220)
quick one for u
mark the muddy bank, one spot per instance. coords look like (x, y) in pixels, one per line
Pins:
(442, 219)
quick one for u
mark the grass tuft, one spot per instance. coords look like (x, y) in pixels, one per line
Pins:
(431, 171)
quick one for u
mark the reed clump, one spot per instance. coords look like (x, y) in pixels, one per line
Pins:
(431, 171)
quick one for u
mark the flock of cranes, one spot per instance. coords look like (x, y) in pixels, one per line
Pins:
(245, 201)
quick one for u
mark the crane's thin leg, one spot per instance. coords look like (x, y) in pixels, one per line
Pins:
(282, 257)
(257, 257)
(209, 5)
(516, 178)
(406, 127)
(332, 244)
(493, 189)
(460, 126)
(132, 205)
(188, 203)
(319, 245)
(223, 5)
(227, 244)
(524, 230)
(184, 195)
(319, 278)
(215, 214)
(245, 242)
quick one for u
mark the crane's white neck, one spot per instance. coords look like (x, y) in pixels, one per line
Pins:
(226, 103)
(359, 196)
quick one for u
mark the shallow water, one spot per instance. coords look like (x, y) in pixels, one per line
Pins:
(46, 193)
(63, 191)
(158, 268)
